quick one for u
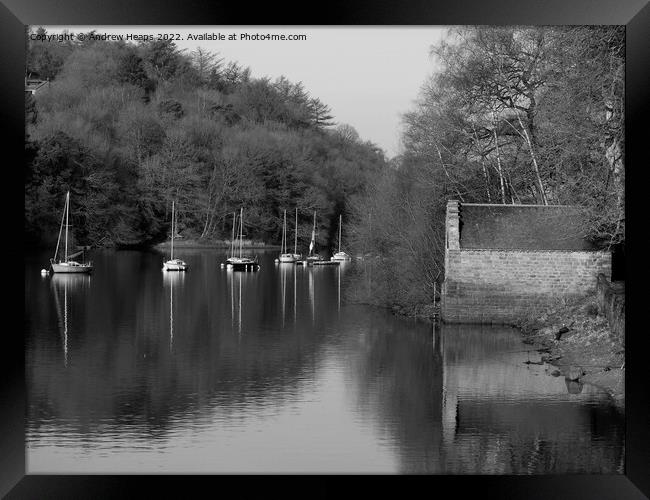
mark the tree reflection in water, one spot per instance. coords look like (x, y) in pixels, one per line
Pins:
(132, 361)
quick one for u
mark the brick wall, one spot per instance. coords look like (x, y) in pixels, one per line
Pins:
(496, 286)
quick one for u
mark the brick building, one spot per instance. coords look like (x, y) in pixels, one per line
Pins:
(503, 259)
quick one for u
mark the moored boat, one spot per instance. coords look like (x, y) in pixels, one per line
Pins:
(285, 257)
(242, 263)
(174, 264)
(313, 256)
(67, 265)
(297, 256)
(340, 256)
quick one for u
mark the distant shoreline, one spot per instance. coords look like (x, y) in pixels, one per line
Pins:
(221, 244)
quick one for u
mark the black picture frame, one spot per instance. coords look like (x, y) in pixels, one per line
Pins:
(635, 14)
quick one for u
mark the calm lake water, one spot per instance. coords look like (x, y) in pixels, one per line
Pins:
(133, 370)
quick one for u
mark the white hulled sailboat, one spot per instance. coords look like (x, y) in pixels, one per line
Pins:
(242, 263)
(340, 255)
(297, 256)
(174, 264)
(232, 257)
(313, 257)
(67, 265)
(284, 256)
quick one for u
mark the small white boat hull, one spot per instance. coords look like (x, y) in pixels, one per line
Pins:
(175, 265)
(243, 264)
(287, 258)
(71, 267)
(340, 256)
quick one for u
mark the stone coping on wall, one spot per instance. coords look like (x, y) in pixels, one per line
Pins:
(527, 250)
(511, 205)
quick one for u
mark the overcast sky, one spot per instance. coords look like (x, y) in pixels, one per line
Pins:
(368, 76)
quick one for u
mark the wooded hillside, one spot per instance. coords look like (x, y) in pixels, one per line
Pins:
(129, 127)
(514, 115)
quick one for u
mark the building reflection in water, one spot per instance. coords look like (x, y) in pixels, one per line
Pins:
(468, 404)
(131, 382)
(501, 415)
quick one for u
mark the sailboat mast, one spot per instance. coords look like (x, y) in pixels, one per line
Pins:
(295, 243)
(340, 219)
(232, 240)
(67, 213)
(313, 236)
(284, 234)
(58, 241)
(172, 254)
(241, 230)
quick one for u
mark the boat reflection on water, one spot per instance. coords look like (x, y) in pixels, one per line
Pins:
(239, 284)
(138, 370)
(340, 270)
(283, 290)
(288, 273)
(62, 284)
(311, 293)
(172, 281)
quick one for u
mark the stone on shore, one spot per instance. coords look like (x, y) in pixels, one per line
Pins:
(575, 372)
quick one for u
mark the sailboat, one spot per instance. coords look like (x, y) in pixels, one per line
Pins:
(340, 255)
(313, 257)
(242, 263)
(174, 264)
(232, 257)
(297, 256)
(67, 265)
(284, 256)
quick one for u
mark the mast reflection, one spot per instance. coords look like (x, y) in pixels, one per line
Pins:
(173, 280)
(311, 292)
(283, 286)
(60, 284)
(236, 299)
(338, 287)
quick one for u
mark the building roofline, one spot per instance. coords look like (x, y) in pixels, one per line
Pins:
(516, 205)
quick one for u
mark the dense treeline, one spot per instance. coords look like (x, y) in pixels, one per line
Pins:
(529, 115)
(127, 128)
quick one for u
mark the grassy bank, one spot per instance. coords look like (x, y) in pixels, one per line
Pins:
(578, 340)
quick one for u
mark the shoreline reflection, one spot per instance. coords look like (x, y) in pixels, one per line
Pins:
(142, 372)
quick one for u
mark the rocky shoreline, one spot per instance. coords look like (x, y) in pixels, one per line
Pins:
(575, 339)
(572, 338)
